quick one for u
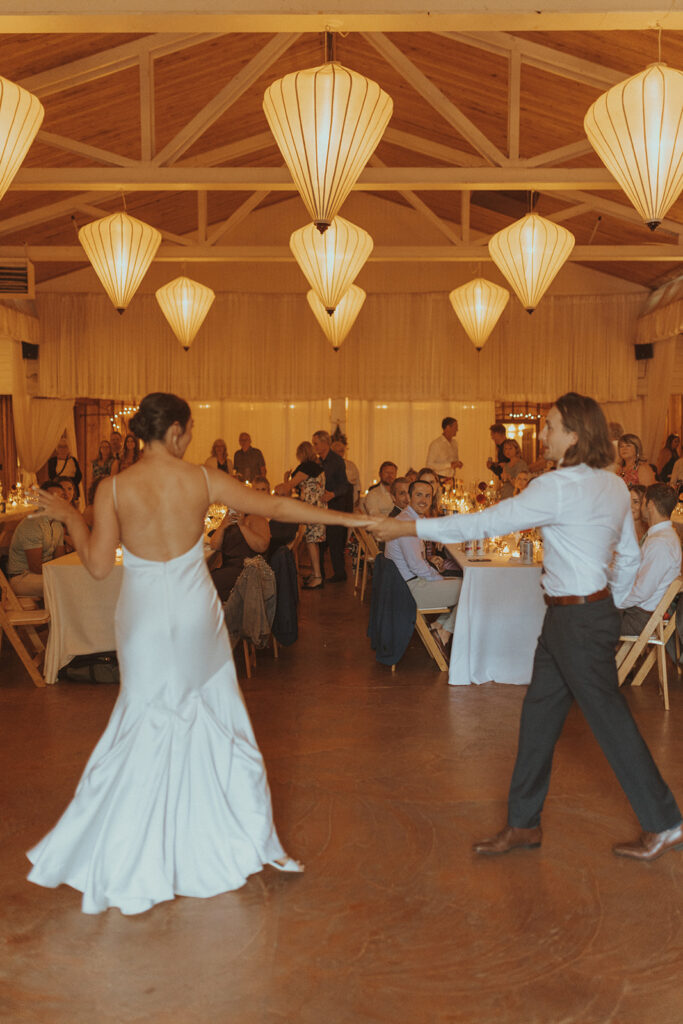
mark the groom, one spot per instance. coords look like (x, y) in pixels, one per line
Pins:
(584, 512)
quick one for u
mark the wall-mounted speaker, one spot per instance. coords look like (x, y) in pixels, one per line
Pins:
(29, 351)
(644, 351)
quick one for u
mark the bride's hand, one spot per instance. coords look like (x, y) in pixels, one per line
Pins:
(54, 503)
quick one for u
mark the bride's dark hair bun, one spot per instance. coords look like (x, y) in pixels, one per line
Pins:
(157, 412)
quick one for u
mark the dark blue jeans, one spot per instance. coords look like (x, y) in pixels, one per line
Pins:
(574, 660)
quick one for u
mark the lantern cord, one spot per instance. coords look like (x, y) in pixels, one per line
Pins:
(595, 228)
(659, 44)
(329, 47)
(123, 197)
(75, 224)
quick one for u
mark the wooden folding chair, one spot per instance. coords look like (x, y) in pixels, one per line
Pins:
(14, 616)
(427, 637)
(294, 546)
(652, 643)
(370, 549)
(358, 532)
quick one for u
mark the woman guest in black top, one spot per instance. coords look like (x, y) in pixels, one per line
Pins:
(218, 459)
(238, 537)
(63, 464)
(668, 456)
(309, 480)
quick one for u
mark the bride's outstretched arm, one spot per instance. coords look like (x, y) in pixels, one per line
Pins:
(228, 491)
(96, 549)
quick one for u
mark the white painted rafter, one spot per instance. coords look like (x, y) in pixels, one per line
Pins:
(224, 99)
(103, 156)
(423, 209)
(236, 217)
(514, 104)
(147, 107)
(436, 99)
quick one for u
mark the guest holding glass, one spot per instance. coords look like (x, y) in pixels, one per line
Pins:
(218, 459)
(308, 479)
(634, 467)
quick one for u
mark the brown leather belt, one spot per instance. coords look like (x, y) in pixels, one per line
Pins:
(599, 595)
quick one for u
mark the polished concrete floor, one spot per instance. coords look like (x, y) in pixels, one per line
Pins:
(380, 784)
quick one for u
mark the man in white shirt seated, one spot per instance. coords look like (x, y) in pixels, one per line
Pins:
(660, 559)
(37, 539)
(378, 500)
(429, 589)
(442, 455)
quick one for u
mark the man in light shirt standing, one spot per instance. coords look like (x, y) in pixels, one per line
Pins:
(660, 559)
(589, 540)
(442, 455)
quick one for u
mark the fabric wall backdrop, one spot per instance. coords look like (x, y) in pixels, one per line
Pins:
(403, 348)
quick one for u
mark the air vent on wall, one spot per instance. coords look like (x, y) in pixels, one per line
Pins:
(17, 279)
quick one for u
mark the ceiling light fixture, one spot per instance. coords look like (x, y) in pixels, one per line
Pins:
(529, 254)
(636, 128)
(327, 122)
(337, 326)
(120, 249)
(185, 304)
(331, 261)
(478, 306)
(21, 115)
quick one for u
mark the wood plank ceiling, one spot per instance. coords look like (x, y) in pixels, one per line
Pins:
(128, 103)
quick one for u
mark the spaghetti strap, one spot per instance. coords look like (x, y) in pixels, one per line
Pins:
(113, 491)
(206, 478)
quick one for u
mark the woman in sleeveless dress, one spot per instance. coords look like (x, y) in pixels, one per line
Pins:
(174, 799)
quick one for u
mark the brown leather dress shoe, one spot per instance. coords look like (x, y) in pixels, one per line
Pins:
(510, 839)
(651, 845)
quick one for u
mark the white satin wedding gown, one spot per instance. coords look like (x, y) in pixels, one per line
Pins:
(174, 798)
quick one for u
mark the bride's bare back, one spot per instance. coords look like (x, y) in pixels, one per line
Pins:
(160, 506)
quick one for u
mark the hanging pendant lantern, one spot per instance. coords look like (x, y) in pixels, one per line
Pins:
(327, 122)
(529, 254)
(338, 325)
(636, 128)
(21, 115)
(185, 304)
(120, 249)
(330, 262)
(478, 306)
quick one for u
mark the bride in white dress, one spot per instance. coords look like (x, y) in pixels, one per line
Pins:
(174, 799)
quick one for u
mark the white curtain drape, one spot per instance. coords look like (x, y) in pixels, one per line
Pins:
(277, 428)
(660, 372)
(402, 431)
(404, 347)
(38, 425)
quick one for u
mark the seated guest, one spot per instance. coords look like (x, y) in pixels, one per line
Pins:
(218, 459)
(69, 488)
(411, 474)
(280, 533)
(63, 464)
(676, 478)
(400, 494)
(522, 481)
(238, 537)
(427, 586)
(637, 492)
(130, 453)
(36, 540)
(512, 467)
(660, 559)
(378, 500)
(633, 467)
(428, 474)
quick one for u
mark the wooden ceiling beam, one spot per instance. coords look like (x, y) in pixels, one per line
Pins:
(514, 104)
(236, 217)
(545, 58)
(568, 213)
(52, 211)
(655, 253)
(202, 214)
(560, 155)
(103, 156)
(416, 144)
(147, 108)
(424, 210)
(618, 210)
(223, 100)
(436, 99)
(231, 151)
(109, 62)
(151, 178)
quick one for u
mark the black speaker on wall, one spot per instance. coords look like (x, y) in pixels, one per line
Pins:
(29, 351)
(644, 351)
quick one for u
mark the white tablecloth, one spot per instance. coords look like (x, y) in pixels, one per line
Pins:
(499, 617)
(81, 611)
